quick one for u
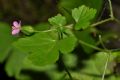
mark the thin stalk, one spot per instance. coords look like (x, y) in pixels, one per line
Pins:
(106, 65)
(101, 22)
(69, 74)
(114, 50)
(106, 20)
(46, 30)
(65, 68)
(92, 46)
(108, 57)
(111, 9)
(100, 39)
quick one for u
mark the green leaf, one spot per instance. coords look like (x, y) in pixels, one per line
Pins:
(58, 20)
(70, 4)
(66, 45)
(29, 65)
(94, 68)
(96, 64)
(15, 63)
(42, 26)
(6, 39)
(83, 15)
(45, 58)
(41, 47)
(65, 6)
(44, 47)
(56, 75)
(70, 60)
(114, 77)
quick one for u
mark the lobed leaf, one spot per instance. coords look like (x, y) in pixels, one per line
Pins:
(44, 47)
(58, 20)
(15, 63)
(6, 40)
(82, 16)
(41, 48)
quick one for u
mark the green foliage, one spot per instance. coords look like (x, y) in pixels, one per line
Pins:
(56, 75)
(70, 4)
(42, 26)
(65, 6)
(6, 40)
(15, 63)
(70, 60)
(96, 64)
(93, 68)
(41, 47)
(27, 64)
(82, 17)
(58, 20)
(66, 45)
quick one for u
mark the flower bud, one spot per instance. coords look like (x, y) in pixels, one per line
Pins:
(27, 30)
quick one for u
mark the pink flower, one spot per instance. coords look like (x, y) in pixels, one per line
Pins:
(16, 27)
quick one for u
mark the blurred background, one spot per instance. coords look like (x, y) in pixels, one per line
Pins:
(35, 12)
(29, 11)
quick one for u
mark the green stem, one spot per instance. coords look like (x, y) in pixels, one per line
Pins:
(89, 45)
(114, 50)
(111, 12)
(111, 9)
(46, 30)
(101, 22)
(100, 39)
(69, 74)
(65, 68)
(106, 65)
(106, 20)
(60, 35)
(108, 57)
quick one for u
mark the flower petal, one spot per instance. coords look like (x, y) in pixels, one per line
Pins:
(16, 24)
(15, 31)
